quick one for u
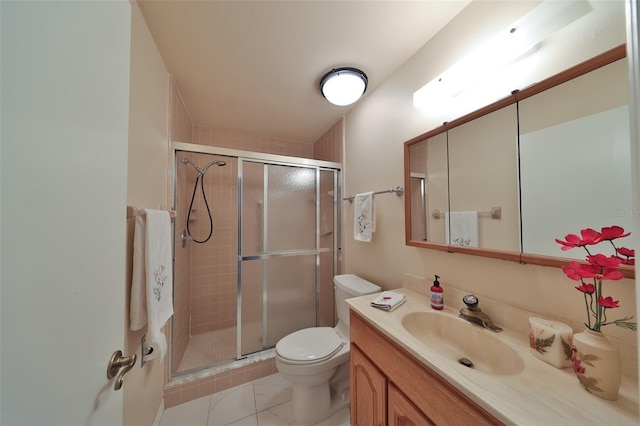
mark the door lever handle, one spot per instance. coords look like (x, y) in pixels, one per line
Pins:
(122, 364)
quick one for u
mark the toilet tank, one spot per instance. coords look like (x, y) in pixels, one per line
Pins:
(347, 286)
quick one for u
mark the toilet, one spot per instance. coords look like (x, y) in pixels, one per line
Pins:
(316, 360)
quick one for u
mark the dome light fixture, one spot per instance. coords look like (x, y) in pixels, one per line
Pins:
(343, 86)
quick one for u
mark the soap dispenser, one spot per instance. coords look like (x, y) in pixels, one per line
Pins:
(437, 296)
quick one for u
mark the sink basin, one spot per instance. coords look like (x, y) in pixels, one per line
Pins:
(463, 342)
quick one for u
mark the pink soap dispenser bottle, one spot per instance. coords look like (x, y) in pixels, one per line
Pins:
(437, 296)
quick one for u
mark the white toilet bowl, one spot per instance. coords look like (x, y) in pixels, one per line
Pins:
(316, 360)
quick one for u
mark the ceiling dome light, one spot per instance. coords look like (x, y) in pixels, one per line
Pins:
(343, 86)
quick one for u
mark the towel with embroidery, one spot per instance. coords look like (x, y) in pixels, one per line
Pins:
(152, 280)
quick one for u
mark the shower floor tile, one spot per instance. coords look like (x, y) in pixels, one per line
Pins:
(209, 348)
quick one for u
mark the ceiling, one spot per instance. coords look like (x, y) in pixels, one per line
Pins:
(256, 66)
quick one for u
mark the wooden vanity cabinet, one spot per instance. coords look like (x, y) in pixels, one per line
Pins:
(390, 387)
(402, 412)
(368, 391)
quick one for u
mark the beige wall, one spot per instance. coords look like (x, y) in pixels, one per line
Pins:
(146, 187)
(374, 141)
(180, 129)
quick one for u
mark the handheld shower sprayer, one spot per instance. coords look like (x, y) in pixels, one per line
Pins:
(186, 234)
(202, 171)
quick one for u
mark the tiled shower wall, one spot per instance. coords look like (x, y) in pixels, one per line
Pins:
(329, 147)
(214, 263)
(233, 139)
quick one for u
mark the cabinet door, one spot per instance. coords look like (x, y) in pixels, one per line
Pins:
(368, 391)
(402, 412)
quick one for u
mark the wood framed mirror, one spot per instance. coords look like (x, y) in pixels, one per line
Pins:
(533, 166)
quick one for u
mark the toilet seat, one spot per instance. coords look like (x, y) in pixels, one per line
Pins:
(309, 345)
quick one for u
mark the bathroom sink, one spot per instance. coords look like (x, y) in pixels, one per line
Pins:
(463, 342)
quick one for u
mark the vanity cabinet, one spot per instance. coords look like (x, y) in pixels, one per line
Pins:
(368, 391)
(402, 412)
(390, 387)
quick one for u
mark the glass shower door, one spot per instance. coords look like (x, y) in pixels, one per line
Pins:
(279, 253)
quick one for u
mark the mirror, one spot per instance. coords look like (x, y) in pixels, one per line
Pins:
(577, 129)
(483, 182)
(527, 169)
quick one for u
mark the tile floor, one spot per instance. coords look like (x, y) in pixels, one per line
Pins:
(209, 348)
(263, 402)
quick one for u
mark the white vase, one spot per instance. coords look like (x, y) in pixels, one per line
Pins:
(597, 364)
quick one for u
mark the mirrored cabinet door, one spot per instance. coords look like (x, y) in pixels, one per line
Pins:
(483, 173)
(575, 160)
(550, 160)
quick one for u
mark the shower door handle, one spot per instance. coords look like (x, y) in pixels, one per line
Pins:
(260, 227)
(120, 363)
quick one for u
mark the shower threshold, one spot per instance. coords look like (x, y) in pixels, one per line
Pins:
(221, 367)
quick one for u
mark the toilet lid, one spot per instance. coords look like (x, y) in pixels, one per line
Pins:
(310, 344)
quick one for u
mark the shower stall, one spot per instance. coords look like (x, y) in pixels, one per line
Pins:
(256, 246)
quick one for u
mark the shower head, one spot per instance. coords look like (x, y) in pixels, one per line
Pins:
(202, 171)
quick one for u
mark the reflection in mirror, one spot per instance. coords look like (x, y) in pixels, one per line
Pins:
(419, 206)
(418, 190)
(575, 160)
(428, 188)
(483, 174)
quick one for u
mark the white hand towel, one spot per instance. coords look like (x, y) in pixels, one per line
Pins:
(388, 300)
(461, 228)
(364, 217)
(152, 281)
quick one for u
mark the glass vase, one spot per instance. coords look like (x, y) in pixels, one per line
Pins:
(597, 364)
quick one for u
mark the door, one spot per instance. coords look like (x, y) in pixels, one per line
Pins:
(368, 391)
(402, 412)
(64, 99)
(279, 257)
(287, 252)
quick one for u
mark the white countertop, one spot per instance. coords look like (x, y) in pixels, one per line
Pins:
(538, 395)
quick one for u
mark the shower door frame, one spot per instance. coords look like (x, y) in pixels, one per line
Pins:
(265, 158)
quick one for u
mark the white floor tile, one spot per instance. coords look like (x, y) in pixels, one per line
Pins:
(192, 413)
(271, 391)
(280, 415)
(247, 421)
(264, 402)
(341, 418)
(231, 405)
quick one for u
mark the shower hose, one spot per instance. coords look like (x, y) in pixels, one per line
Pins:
(200, 178)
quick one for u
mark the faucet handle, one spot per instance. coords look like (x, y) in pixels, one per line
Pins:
(471, 301)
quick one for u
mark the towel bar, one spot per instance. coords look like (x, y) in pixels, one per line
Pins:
(494, 213)
(134, 211)
(398, 190)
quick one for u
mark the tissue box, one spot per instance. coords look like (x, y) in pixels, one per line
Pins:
(550, 341)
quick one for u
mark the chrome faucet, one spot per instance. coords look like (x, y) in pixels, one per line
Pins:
(474, 314)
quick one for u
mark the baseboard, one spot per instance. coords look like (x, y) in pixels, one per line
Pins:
(156, 420)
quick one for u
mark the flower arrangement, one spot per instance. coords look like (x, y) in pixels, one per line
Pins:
(598, 269)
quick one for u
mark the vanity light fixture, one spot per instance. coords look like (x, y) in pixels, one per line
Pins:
(343, 86)
(515, 42)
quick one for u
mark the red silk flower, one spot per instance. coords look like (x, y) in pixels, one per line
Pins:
(587, 288)
(599, 268)
(589, 237)
(608, 302)
(613, 232)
